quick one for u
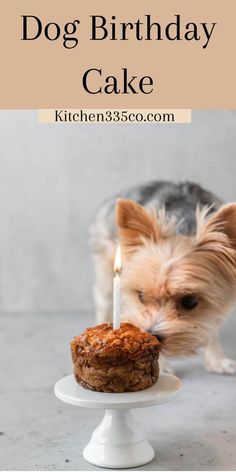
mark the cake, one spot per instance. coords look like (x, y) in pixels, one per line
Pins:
(115, 360)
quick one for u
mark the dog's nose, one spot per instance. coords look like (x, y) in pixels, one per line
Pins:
(160, 338)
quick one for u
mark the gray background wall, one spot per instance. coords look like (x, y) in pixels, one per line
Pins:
(52, 179)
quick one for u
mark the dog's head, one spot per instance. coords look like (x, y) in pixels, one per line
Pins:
(177, 287)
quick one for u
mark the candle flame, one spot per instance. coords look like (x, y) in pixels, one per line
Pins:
(117, 263)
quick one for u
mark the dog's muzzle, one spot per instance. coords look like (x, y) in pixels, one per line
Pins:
(160, 338)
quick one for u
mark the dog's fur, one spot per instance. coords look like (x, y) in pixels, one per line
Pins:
(177, 240)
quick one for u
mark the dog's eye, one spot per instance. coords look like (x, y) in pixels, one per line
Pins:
(189, 302)
(141, 296)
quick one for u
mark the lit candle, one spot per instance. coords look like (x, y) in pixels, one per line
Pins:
(116, 290)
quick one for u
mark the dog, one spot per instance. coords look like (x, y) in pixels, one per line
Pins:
(178, 244)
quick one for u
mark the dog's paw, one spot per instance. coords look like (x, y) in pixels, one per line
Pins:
(221, 366)
(167, 370)
(165, 367)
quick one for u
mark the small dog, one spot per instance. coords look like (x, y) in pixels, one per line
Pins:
(179, 266)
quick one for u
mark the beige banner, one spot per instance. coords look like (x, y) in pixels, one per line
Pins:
(121, 116)
(155, 54)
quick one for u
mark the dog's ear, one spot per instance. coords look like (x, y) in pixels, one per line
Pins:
(135, 224)
(216, 235)
(226, 218)
(221, 223)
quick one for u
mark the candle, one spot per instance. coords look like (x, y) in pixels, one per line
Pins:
(116, 290)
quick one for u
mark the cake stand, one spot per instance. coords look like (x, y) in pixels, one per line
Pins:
(118, 442)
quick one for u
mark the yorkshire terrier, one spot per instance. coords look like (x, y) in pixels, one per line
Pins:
(178, 247)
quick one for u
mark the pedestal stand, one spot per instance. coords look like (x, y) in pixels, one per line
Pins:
(118, 442)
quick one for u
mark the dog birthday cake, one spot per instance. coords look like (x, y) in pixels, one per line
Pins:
(120, 360)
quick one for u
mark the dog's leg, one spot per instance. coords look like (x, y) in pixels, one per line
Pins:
(164, 365)
(103, 287)
(215, 360)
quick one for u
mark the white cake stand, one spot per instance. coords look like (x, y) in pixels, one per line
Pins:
(118, 442)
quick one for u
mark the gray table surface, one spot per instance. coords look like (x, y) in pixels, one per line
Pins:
(196, 431)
